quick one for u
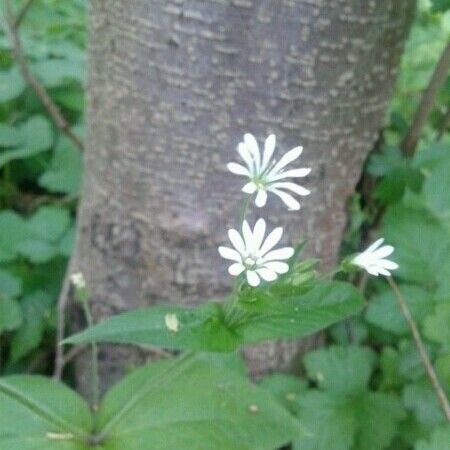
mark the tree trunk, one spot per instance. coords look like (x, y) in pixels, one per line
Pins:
(172, 87)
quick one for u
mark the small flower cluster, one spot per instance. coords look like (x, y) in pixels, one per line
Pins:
(253, 254)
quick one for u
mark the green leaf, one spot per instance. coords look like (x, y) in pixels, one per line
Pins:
(40, 414)
(55, 72)
(49, 223)
(440, 5)
(10, 314)
(435, 188)
(292, 312)
(378, 416)
(287, 389)
(289, 314)
(37, 251)
(199, 328)
(422, 245)
(384, 311)
(36, 137)
(330, 420)
(344, 370)
(10, 285)
(9, 136)
(35, 311)
(64, 173)
(11, 84)
(13, 230)
(437, 325)
(439, 440)
(183, 403)
(420, 398)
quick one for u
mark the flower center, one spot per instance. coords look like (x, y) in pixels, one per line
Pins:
(250, 262)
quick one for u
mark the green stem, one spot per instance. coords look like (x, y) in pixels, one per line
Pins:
(244, 208)
(94, 360)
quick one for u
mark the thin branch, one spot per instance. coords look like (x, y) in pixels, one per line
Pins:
(51, 107)
(21, 14)
(440, 393)
(73, 353)
(426, 103)
(63, 299)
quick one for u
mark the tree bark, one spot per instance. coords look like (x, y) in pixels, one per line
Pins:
(172, 87)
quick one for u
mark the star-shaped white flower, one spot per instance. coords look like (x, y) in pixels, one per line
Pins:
(268, 175)
(253, 254)
(373, 259)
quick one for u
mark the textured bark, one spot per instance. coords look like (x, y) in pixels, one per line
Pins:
(172, 87)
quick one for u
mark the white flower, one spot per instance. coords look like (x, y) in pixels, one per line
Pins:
(78, 280)
(268, 175)
(373, 259)
(253, 254)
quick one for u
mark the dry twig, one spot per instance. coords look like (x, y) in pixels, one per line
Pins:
(440, 393)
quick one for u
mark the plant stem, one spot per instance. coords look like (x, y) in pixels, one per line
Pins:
(426, 103)
(94, 361)
(440, 393)
(243, 210)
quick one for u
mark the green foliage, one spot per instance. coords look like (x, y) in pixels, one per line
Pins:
(147, 410)
(284, 311)
(40, 174)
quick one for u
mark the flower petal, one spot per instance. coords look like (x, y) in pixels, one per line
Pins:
(372, 270)
(253, 278)
(387, 264)
(293, 173)
(279, 253)
(246, 156)
(374, 246)
(382, 252)
(229, 253)
(237, 241)
(236, 269)
(269, 147)
(382, 271)
(272, 239)
(252, 146)
(290, 156)
(267, 274)
(300, 190)
(238, 169)
(261, 198)
(277, 266)
(248, 236)
(288, 200)
(258, 233)
(250, 188)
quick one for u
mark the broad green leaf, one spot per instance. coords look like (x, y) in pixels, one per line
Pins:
(436, 189)
(35, 311)
(184, 404)
(384, 311)
(13, 230)
(437, 325)
(37, 251)
(343, 370)
(378, 417)
(10, 314)
(440, 5)
(9, 136)
(287, 389)
(199, 328)
(352, 330)
(439, 440)
(49, 223)
(330, 420)
(55, 72)
(420, 398)
(10, 285)
(11, 84)
(294, 313)
(64, 173)
(39, 414)
(287, 314)
(442, 365)
(35, 136)
(422, 245)
(67, 242)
